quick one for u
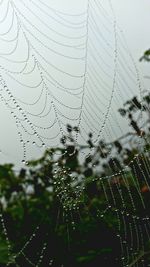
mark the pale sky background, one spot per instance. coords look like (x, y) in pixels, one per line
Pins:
(132, 17)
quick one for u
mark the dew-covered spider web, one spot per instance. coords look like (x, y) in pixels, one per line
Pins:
(63, 78)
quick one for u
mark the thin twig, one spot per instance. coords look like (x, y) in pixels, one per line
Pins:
(142, 254)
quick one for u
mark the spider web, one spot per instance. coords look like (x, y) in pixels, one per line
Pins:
(72, 69)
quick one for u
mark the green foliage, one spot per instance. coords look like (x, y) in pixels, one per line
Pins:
(3, 251)
(68, 208)
(146, 56)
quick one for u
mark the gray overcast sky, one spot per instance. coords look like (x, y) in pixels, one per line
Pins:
(133, 18)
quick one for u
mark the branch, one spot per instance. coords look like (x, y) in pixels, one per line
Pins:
(142, 254)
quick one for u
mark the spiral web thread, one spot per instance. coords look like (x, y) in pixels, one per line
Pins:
(38, 46)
